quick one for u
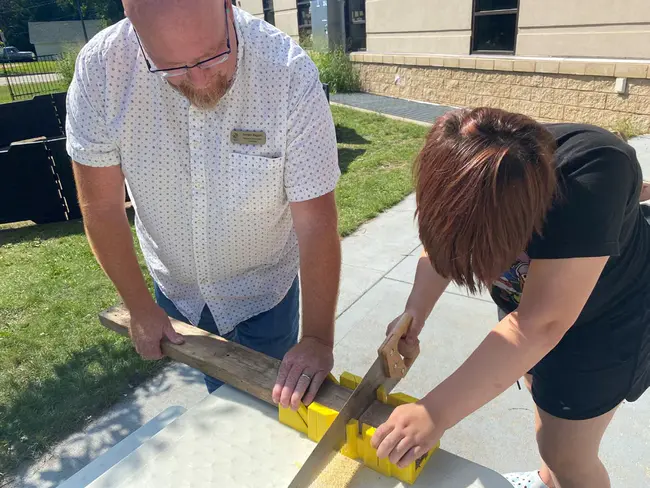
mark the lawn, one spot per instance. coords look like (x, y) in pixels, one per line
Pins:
(5, 96)
(30, 68)
(41, 88)
(59, 367)
(375, 155)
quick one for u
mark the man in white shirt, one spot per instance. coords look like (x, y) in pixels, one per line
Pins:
(219, 125)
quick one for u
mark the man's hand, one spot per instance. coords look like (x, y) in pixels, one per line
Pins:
(148, 328)
(306, 365)
(408, 434)
(302, 372)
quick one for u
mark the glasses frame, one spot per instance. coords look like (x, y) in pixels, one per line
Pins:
(182, 70)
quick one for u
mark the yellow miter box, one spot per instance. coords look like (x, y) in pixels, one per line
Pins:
(316, 419)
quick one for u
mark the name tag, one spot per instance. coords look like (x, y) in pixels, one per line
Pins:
(248, 137)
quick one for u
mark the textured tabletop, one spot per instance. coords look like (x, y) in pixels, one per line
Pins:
(233, 440)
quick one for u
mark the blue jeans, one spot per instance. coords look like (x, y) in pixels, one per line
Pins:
(273, 332)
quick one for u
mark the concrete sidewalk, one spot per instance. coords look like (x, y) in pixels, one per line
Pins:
(642, 146)
(500, 435)
(420, 112)
(23, 79)
(378, 269)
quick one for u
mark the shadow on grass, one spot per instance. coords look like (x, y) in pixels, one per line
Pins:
(46, 411)
(347, 157)
(346, 135)
(48, 231)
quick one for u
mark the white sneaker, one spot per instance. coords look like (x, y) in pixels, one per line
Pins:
(525, 480)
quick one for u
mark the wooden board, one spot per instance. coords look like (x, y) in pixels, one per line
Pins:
(247, 370)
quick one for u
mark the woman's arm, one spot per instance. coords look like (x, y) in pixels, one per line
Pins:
(553, 298)
(427, 289)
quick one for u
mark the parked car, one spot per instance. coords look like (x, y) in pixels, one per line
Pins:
(12, 54)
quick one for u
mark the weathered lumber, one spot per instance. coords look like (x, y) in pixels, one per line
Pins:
(243, 368)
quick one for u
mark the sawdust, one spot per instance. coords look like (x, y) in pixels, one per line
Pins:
(338, 473)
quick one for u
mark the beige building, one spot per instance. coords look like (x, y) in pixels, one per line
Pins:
(560, 60)
(558, 28)
(281, 13)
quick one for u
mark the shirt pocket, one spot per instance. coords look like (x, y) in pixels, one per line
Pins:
(255, 183)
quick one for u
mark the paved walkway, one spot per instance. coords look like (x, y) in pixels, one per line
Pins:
(427, 113)
(378, 271)
(20, 80)
(642, 146)
(396, 107)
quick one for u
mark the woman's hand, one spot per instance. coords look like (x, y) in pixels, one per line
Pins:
(426, 291)
(408, 434)
(409, 345)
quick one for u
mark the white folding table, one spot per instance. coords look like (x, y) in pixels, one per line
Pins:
(232, 440)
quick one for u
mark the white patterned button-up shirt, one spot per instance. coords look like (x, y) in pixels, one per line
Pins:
(212, 216)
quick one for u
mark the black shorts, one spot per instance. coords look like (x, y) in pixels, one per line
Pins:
(594, 369)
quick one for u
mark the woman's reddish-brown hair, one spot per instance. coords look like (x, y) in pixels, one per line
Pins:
(485, 180)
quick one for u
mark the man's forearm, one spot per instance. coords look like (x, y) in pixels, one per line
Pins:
(111, 240)
(320, 271)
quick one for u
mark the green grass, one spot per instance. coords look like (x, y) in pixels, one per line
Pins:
(41, 88)
(59, 367)
(375, 155)
(5, 96)
(29, 68)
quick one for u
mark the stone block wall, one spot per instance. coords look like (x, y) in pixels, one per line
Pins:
(552, 97)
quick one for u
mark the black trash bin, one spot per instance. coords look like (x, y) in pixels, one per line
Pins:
(326, 89)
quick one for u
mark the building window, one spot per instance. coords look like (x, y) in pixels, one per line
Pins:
(269, 13)
(304, 22)
(355, 25)
(494, 27)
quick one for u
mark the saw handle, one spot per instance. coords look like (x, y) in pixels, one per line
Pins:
(394, 365)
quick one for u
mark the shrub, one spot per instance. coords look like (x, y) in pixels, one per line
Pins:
(65, 66)
(627, 128)
(337, 71)
(306, 41)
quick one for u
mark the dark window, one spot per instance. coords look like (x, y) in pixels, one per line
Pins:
(495, 26)
(355, 25)
(483, 5)
(269, 13)
(304, 22)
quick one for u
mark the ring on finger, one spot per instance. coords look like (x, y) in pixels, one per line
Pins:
(306, 376)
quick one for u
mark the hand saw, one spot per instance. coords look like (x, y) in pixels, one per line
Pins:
(386, 371)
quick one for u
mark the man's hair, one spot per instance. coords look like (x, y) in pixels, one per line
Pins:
(485, 180)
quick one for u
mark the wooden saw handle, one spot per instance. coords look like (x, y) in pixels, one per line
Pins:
(394, 365)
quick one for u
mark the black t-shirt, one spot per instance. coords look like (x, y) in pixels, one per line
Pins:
(595, 213)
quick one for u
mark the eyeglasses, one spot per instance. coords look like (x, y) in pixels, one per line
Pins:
(205, 64)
